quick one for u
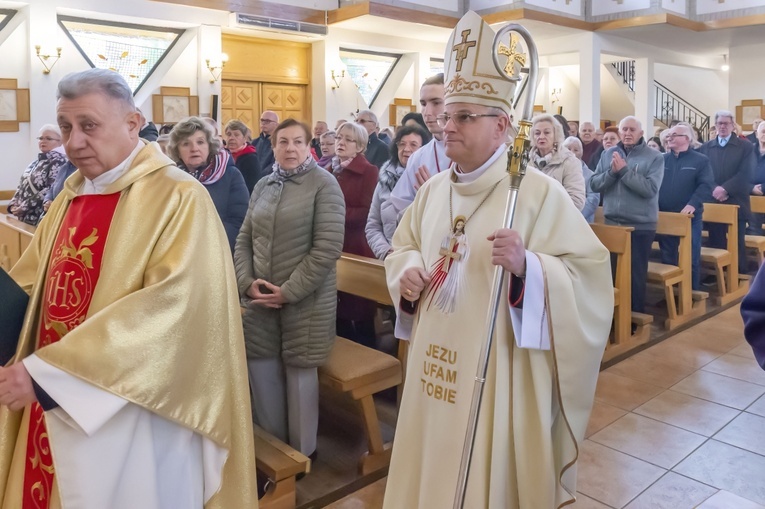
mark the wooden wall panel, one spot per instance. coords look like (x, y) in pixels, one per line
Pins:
(266, 60)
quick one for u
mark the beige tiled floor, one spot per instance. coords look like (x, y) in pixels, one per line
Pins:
(678, 426)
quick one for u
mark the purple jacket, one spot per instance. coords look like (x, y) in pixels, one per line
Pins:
(753, 313)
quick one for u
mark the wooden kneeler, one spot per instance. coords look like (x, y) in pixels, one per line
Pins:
(280, 463)
(757, 242)
(618, 240)
(677, 278)
(724, 261)
(360, 371)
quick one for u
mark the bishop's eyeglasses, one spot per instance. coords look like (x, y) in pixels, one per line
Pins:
(461, 118)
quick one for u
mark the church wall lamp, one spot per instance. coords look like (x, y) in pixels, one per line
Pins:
(216, 69)
(47, 60)
(336, 77)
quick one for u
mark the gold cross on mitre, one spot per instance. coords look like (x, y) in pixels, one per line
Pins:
(462, 49)
(512, 56)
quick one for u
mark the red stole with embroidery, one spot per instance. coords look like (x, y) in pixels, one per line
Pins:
(73, 271)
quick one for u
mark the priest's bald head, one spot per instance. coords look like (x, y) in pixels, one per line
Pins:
(478, 99)
(98, 120)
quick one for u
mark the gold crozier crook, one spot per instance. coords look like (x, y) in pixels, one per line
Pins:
(517, 159)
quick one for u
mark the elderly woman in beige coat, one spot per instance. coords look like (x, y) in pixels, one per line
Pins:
(554, 160)
(285, 257)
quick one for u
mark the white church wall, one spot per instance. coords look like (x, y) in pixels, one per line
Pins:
(708, 93)
(36, 23)
(746, 79)
(404, 81)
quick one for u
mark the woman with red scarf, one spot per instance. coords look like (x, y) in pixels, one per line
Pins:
(238, 136)
(196, 150)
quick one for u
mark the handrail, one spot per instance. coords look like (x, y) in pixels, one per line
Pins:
(626, 69)
(669, 106)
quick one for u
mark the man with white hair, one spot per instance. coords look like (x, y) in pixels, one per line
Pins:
(686, 185)
(129, 384)
(590, 145)
(753, 135)
(629, 176)
(377, 151)
(733, 162)
(550, 331)
(592, 199)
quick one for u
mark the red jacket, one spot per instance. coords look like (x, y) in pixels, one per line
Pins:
(358, 182)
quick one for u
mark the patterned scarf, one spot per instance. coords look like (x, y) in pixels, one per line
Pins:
(338, 166)
(389, 175)
(213, 172)
(283, 175)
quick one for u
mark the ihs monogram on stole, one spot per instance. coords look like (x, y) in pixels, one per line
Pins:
(69, 287)
(447, 274)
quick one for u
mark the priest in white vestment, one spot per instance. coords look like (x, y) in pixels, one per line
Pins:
(129, 385)
(550, 333)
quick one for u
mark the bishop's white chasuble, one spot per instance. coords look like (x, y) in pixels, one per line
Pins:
(536, 402)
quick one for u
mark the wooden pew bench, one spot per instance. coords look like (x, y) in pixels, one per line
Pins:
(5, 197)
(677, 278)
(15, 237)
(618, 240)
(724, 262)
(359, 371)
(280, 463)
(757, 242)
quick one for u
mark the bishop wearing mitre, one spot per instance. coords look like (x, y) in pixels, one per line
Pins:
(551, 329)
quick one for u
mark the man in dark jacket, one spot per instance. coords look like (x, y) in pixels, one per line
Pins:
(733, 163)
(687, 184)
(263, 149)
(318, 129)
(628, 176)
(377, 150)
(753, 135)
(148, 130)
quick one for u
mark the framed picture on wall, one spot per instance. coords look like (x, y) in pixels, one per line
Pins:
(398, 109)
(173, 104)
(748, 111)
(14, 105)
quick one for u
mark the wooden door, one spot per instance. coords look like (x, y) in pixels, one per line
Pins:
(246, 100)
(288, 101)
(240, 100)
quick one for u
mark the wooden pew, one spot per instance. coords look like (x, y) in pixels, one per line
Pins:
(757, 242)
(357, 370)
(5, 197)
(15, 237)
(687, 306)
(724, 261)
(618, 240)
(280, 463)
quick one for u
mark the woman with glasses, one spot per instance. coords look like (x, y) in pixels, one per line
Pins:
(327, 145)
(39, 176)
(380, 225)
(554, 160)
(245, 156)
(357, 178)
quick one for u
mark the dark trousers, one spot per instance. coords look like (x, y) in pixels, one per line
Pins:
(718, 238)
(641, 248)
(755, 225)
(669, 246)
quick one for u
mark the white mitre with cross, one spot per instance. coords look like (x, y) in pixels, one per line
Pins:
(469, 72)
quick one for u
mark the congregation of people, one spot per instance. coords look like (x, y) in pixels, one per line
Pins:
(292, 199)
